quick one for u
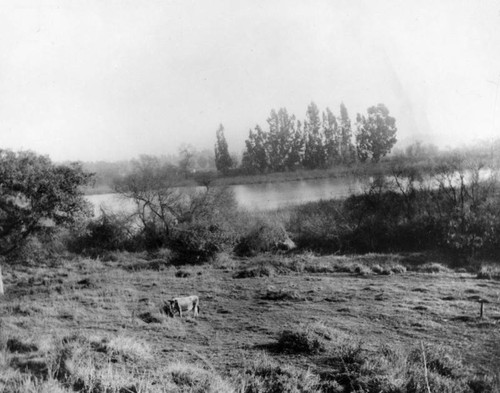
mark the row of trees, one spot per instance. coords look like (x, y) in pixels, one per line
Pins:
(322, 140)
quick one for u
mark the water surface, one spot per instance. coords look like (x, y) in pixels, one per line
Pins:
(264, 196)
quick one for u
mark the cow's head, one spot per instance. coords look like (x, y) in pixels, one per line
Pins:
(168, 308)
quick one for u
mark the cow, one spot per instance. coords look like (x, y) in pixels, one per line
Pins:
(180, 304)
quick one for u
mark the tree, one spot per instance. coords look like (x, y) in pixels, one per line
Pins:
(187, 153)
(281, 127)
(186, 219)
(36, 196)
(256, 158)
(314, 154)
(332, 138)
(376, 133)
(295, 148)
(346, 148)
(223, 160)
(151, 185)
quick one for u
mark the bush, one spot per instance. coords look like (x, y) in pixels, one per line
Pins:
(196, 243)
(400, 211)
(489, 273)
(263, 237)
(304, 341)
(319, 226)
(109, 232)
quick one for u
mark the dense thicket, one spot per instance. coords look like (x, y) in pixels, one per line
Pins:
(195, 222)
(455, 206)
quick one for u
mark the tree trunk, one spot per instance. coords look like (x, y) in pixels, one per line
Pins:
(1, 282)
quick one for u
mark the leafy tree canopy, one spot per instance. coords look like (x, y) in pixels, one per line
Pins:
(376, 133)
(37, 195)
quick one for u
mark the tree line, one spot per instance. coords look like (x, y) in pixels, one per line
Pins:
(321, 141)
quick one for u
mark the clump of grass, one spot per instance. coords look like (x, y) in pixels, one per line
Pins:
(182, 273)
(433, 267)
(191, 378)
(362, 270)
(255, 271)
(151, 317)
(302, 340)
(398, 269)
(224, 261)
(24, 383)
(283, 294)
(110, 378)
(489, 272)
(129, 348)
(163, 253)
(354, 369)
(388, 269)
(266, 375)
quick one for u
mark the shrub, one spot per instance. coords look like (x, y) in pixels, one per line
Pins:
(303, 341)
(109, 232)
(224, 261)
(319, 226)
(196, 243)
(489, 272)
(263, 237)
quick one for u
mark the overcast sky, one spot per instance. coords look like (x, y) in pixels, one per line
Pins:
(109, 80)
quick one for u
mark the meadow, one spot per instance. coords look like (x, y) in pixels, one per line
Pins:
(394, 289)
(269, 323)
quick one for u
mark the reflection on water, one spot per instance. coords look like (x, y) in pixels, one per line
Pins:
(257, 196)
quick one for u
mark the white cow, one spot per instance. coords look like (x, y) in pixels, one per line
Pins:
(180, 304)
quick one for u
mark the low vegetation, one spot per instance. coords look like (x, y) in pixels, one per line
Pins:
(393, 290)
(312, 326)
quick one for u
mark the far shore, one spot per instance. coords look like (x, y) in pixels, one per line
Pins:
(357, 170)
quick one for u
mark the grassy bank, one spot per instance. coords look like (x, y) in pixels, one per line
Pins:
(268, 324)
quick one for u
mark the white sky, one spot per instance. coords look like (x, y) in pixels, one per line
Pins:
(112, 79)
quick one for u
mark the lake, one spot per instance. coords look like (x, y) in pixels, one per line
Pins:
(263, 196)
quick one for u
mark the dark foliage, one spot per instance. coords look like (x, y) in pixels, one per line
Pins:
(36, 196)
(454, 209)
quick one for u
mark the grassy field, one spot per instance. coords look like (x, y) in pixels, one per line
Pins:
(97, 326)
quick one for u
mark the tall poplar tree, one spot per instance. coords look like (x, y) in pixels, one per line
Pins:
(332, 139)
(255, 157)
(223, 161)
(346, 147)
(281, 127)
(314, 155)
